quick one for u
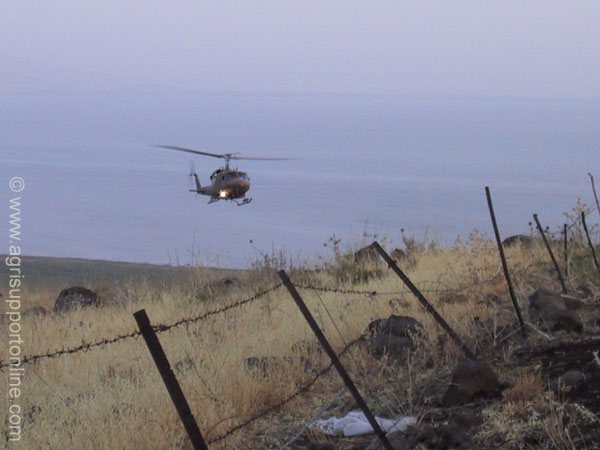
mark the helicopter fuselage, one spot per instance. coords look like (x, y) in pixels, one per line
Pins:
(226, 184)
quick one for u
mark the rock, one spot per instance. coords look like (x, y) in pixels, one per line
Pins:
(36, 311)
(522, 239)
(227, 282)
(401, 326)
(569, 381)
(395, 347)
(393, 336)
(453, 436)
(550, 310)
(466, 421)
(444, 437)
(572, 302)
(75, 297)
(403, 440)
(366, 254)
(320, 446)
(471, 379)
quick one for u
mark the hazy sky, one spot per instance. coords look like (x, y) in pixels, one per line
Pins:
(477, 48)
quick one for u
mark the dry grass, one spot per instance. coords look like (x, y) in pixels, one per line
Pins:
(113, 397)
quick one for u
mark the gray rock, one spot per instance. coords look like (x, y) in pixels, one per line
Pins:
(401, 326)
(395, 347)
(228, 282)
(366, 254)
(569, 381)
(523, 239)
(320, 446)
(471, 379)
(553, 312)
(75, 297)
(393, 336)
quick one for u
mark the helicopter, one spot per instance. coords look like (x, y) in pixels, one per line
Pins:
(226, 183)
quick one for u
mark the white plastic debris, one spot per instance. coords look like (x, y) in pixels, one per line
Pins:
(355, 423)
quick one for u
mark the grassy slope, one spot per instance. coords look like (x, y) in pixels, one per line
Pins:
(45, 277)
(113, 397)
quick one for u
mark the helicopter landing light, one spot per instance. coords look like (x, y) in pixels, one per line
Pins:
(223, 194)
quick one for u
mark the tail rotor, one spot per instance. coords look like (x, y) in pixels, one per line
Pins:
(194, 181)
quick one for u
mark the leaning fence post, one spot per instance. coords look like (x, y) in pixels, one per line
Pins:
(162, 363)
(334, 359)
(430, 309)
(503, 259)
(560, 277)
(565, 245)
(587, 234)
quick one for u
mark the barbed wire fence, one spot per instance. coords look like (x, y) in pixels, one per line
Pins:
(160, 328)
(435, 287)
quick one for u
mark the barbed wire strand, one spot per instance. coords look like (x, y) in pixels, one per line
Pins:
(288, 399)
(158, 328)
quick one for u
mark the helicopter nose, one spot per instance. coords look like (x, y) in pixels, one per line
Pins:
(242, 186)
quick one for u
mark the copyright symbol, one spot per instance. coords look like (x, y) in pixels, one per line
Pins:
(16, 184)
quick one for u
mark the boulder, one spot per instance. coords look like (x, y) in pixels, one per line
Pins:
(395, 347)
(75, 297)
(366, 254)
(523, 239)
(228, 282)
(320, 446)
(569, 381)
(446, 436)
(393, 336)
(401, 326)
(553, 311)
(471, 379)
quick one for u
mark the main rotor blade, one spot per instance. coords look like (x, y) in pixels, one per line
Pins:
(226, 156)
(261, 159)
(189, 150)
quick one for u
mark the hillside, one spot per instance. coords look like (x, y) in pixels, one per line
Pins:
(254, 375)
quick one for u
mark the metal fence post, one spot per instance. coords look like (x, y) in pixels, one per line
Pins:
(162, 363)
(541, 230)
(587, 234)
(334, 359)
(511, 290)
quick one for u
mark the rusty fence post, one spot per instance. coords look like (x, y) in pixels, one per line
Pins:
(587, 234)
(565, 248)
(541, 230)
(335, 360)
(511, 289)
(162, 363)
(430, 309)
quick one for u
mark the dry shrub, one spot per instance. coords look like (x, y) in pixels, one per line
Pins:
(527, 387)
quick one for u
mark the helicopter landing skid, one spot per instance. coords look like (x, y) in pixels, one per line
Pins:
(244, 202)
